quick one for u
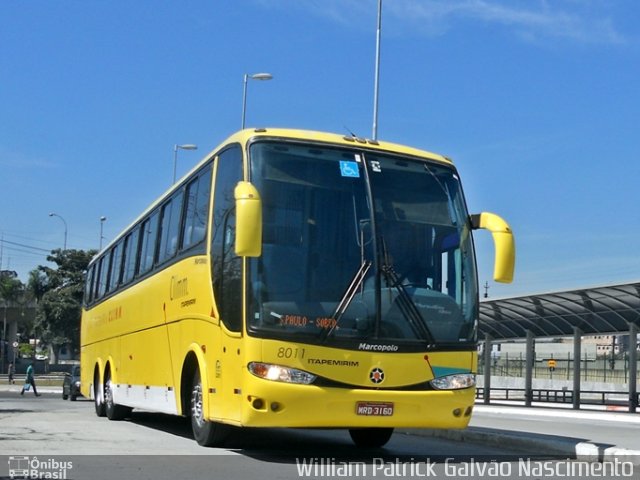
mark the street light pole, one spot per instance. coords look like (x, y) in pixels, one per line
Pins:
(377, 73)
(186, 146)
(247, 77)
(3, 348)
(102, 220)
(65, 227)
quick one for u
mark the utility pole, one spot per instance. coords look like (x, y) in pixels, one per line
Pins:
(377, 73)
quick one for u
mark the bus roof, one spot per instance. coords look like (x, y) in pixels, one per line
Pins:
(333, 139)
(242, 137)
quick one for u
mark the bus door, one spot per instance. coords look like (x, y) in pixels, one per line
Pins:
(227, 270)
(228, 289)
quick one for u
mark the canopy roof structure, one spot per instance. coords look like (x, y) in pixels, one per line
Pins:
(601, 310)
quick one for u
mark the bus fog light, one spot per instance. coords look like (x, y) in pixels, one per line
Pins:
(258, 403)
(279, 373)
(457, 381)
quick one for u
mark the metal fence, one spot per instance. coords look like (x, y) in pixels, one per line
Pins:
(605, 368)
(587, 397)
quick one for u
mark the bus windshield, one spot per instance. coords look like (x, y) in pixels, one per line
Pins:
(361, 250)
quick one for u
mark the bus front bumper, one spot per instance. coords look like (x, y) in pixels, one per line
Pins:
(274, 404)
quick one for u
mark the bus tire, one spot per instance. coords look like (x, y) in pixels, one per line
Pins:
(98, 396)
(113, 410)
(370, 437)
(205, 432)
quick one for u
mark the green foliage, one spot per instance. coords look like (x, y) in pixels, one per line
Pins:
(11, 288)
(37, 284)
(26, 350)
(61, 289)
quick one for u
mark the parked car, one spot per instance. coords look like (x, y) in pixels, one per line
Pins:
(71, 384)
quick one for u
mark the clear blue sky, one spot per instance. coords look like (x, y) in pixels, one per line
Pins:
(537, 102)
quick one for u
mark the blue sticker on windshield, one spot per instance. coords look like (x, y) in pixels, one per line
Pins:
(349, 169)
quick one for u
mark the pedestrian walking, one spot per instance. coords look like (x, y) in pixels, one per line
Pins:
(30, 381)
(11, 372)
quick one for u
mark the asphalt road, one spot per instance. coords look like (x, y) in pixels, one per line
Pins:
(66, 439)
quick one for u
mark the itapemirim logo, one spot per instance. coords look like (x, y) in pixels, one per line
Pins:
(33, 467)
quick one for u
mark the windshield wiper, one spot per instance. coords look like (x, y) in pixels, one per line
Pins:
(406, 305)
(347, 297)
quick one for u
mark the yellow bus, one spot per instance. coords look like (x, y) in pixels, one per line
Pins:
(294, 279)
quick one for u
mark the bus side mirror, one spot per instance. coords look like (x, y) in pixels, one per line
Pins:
(248, 220)
(503, 241)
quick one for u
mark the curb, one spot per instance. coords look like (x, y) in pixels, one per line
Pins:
(41, 389)
(534, 444)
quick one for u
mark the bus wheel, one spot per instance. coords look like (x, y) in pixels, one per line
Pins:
(370, 437)
(206, 433)
(113, 410)
(98, 397)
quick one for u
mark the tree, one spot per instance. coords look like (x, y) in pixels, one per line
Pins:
(36, 285)
(60, 306)
(10, 287)
(11, 290)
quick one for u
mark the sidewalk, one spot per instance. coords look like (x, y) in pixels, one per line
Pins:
(5, 387)
(589, 435)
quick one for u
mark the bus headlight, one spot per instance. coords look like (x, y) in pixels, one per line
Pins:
(279, 373)
(454, 382)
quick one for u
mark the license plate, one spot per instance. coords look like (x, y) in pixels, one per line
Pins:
(376, 409)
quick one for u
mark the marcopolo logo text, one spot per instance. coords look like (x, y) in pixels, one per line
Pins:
(375, 347)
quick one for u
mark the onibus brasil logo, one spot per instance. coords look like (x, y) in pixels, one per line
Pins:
(33, 467)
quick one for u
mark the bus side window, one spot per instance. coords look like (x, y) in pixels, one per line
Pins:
(88, 285)
(96, 280)
(226, 266)
(116, 263)
(102, 279)
(197, 209)
(130, 255)
(148, 244)
(170, 227)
